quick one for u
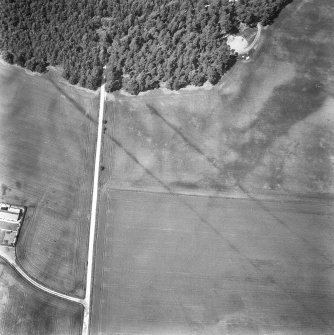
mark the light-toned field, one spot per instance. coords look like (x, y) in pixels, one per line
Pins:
(27, 311)
(216, 206)
(171, 264)
(47, 143)
(268, 126)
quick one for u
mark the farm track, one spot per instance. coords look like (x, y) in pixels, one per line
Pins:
(256, 39)
(9, 257)
(38, 312)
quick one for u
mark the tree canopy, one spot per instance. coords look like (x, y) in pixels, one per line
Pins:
(141, 42)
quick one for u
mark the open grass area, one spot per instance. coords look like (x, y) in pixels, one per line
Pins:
(47, 146)
(175, 254)
(27, 311)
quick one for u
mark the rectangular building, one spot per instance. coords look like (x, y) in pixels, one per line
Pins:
(11, 218)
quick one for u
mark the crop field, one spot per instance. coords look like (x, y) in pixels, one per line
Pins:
(25, 310)
(174, 264)
(47, 146)
(216, 206)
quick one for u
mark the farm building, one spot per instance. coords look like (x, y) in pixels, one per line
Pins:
(11, 218)
(10, 213)
(8, 216)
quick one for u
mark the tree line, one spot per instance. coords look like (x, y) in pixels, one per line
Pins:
(141, 43)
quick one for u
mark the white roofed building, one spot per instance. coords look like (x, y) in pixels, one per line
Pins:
(11, 218)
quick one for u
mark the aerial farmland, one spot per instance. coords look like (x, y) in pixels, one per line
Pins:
(206, 209)
(44, 122)
(26, 310)
(215, 213)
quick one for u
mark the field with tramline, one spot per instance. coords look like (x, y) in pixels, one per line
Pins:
(216, 205)
(47, 150)
(26, 310)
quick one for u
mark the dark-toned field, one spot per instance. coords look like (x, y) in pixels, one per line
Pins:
(248, 246)
(27, 311)
(47, 145)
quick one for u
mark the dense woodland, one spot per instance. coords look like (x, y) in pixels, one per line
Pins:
(141, 42)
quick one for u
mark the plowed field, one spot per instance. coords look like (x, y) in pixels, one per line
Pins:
(25, 310)
(47, 143)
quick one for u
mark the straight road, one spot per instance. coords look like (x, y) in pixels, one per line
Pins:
(86, 320)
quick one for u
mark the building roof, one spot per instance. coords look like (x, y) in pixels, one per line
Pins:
(9, 216)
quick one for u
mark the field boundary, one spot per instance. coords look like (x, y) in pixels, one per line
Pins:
(265, 196)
